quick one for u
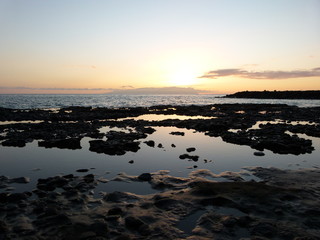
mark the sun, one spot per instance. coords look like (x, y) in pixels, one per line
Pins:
(182, 77)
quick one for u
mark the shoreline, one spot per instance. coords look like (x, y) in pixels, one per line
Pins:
(283, 205)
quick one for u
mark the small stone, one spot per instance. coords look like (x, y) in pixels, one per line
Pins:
(259, 154)
(191, 149)
(131, 161)
(82, 170)
(195, 166)
(150, 143)
(145, 177)
(160, 145)
(177, 133)
(20, 180)
(173, 145)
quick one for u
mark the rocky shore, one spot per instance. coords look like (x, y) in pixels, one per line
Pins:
(64, 128)
(283, 205)
(276, 94)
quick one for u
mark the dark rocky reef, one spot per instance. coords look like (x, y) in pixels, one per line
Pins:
(276, 94)
(51, 131)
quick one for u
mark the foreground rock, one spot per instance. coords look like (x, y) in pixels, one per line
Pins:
(284, 206)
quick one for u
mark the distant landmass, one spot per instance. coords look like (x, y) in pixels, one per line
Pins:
(156, 91)
(276, 94)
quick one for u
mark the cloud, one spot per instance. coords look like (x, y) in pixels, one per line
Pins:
(315, 72)
(124, 90)
(59, 89)
(157, 91)
(80, 66)
(127, 86)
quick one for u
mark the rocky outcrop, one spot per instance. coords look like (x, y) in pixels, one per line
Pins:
(276, 94)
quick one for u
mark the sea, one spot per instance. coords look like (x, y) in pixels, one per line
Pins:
(31, 101)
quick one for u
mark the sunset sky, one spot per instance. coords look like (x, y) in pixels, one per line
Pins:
(213, 46)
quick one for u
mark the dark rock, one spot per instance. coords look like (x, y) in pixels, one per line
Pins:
(88, 178)
(264, 229)
(100, 228)
(14, 143)
(165, 203)
(145, 177)
(133, 223)
(259, 154)
(69, 176)
(20, 180)
(150, 143)
(191, 149)
(3, 197)
(3, 227)
(119, 197)
(114, 147)
(187, 156)
(82, 170)
(147, 130)
(69, 143)
(160, 145)
(131, 161)
(177, 133)
(16, 197)
(173, 145)
(115, 211)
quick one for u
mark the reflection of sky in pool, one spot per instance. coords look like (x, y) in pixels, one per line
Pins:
(160, 117)
(17, 162)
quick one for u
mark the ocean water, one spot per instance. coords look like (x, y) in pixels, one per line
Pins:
(28, 101)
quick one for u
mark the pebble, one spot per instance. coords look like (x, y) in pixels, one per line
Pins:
(259, 154)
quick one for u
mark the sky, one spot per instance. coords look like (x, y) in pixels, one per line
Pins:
(212, 46)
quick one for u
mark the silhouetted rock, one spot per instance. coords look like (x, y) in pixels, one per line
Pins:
(177, 133)
(145, 177)
(150, 143)
(191, 149)
(70, 143)
(187, 156)
(14, 143)
(276, 94)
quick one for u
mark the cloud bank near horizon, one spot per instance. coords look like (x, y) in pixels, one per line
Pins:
(238, 72)
(124, 90)
(156, 91)
(58, 89)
